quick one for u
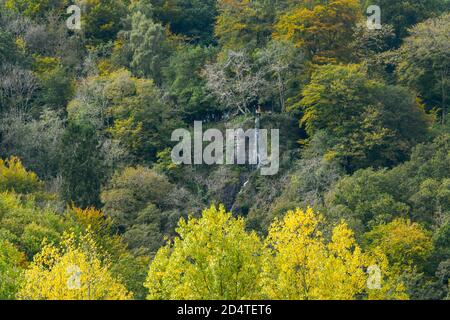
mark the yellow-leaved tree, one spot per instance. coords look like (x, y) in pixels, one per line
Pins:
(400, 248)
(243, 23)
(213, 258)
(303, 265)
(71, 271)
(406, 244)
(14, 177)
(323, 31)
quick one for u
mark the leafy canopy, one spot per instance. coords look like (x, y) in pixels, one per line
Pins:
(213, 258)
(72, 271)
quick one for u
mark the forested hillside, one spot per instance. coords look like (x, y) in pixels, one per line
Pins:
(92, 205)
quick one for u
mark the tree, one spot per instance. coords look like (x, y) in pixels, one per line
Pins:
(142, 120)
(404, 14)
(149, 46)
(55, 85)
(244, 24)
(282, 63)
(128, 111)
(18, 87)
(235, 82)
(187, 87)
(145, 207)
(36, 141)
(193, 19)
(12, 264)
(424, 62)
(213, 258)
(307, 185)
(125, 265)
(72, 271)
(365, 199)
(405, 243)
(136, 198)
(368, 44)
(8, 48)
(14, 177)
(81, 165)
(132, 190)
(301, 264)
(26, 225)
(36, 8)
(102, 19)
(407, 246)
(422, 182)
(324, 32)
(367, 122)
(417, 189)
(431, 201)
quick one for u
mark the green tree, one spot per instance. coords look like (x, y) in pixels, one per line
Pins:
(186, 85)
(367, 44)
(36, 141)
(126, 110)
(140, 202)
(12, 264)
(8, 48)
(36, 8)
(102, 19)
(149, 46)
(56, 87)
(424, 62)
(81, 165)
(417, 189)
(307, 185)
(367, 122)
(365, 200)
(404, 14)
(26, 225)
(193, 19)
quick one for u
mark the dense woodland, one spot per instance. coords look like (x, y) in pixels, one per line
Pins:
(92, 206)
